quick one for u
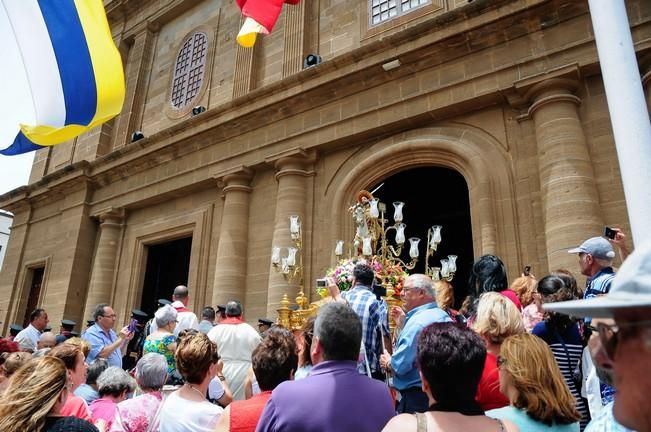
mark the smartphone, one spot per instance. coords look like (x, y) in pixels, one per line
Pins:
(132, 325)
(610, 233)
(322, 283)
(526, 270)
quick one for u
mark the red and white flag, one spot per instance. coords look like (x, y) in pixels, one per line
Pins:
(261, 16)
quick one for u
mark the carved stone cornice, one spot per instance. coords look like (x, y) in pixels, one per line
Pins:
(556, 85)
(110, 216)
(236, 179)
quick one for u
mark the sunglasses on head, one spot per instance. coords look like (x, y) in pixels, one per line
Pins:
(610, 334)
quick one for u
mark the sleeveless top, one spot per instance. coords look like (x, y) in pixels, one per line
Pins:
(246, 413)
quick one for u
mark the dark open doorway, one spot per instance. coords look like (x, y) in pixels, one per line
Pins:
(433, 196)
(168, 265)
(36, 282)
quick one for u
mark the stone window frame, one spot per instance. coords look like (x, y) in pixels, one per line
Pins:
(201, 89)
(369, 30)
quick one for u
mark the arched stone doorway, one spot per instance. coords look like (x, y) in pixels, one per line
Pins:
(433, 196)
(477, 156)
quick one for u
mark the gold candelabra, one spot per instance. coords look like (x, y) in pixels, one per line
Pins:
(448, 265)
(371, 242)
(372, 229)
(291, 267)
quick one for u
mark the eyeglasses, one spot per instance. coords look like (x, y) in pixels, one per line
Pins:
(610, 334)
(500, 361)
(110, 316)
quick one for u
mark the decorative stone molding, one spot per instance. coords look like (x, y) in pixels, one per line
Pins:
(294, 50)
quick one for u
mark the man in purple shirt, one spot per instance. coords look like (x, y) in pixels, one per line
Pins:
(334, 397)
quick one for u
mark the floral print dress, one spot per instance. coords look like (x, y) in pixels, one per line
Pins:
(134, 415)
(160, 345)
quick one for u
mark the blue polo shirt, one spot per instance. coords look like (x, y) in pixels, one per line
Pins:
(98, 339)
(403, 360)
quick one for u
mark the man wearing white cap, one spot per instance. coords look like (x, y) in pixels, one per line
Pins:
(628, 342)
(596, 259)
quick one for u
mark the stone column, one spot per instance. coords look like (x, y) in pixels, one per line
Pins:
(103, 271)
(292, 173)
(230, 266)
(570, 202)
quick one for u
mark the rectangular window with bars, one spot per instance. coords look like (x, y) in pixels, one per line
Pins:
(381, 11)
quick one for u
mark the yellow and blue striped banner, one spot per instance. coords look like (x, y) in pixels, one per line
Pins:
(72, 66)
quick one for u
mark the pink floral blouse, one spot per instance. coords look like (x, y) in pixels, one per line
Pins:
(531, 316)
(134, 415)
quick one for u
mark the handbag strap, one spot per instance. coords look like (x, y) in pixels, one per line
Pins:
(567, 353)
(153, 422)
(421, 422)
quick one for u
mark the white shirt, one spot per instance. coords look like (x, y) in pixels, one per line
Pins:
(235, 344)
(215, 389)
(185, 320)
(28, 338)
(182, 415)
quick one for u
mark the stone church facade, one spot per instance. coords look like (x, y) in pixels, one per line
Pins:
(506, 92)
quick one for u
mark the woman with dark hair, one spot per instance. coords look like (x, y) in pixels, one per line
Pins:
(561, 333)
(538, 396)
(489, 274)
(274, 361)
(450, 361)
(304, 359)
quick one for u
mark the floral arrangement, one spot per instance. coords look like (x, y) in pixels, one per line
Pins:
(392, 275)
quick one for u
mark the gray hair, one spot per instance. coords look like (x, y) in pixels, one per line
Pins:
(95, 369)
(422, 282)
(114, 381)
(99, 310)
(151, 371)
(165, 315)
(41, 353)
(339, 331)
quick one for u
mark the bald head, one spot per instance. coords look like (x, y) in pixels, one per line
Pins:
(47, 340)
(181, 294)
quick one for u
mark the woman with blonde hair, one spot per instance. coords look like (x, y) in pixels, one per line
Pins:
(12, 363)
(75, 362)
(34, 398)
(532, 312)
(445, 298)
(539, 399)
(497, 318)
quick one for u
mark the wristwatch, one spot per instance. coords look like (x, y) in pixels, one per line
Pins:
(221, 377)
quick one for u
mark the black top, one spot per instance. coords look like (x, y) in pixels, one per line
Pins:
(68, 424)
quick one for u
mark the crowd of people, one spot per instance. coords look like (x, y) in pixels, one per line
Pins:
(535, 355)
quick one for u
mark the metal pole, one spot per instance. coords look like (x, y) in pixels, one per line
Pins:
(628, 109)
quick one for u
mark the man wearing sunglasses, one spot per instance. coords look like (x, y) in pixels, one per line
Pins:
(627, 341)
